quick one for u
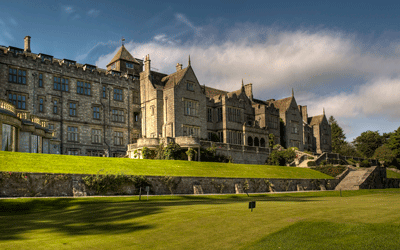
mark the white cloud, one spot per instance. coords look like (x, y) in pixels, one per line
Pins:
(183, 19)
(93, 13)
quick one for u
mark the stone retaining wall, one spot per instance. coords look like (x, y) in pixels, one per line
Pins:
(14, 184)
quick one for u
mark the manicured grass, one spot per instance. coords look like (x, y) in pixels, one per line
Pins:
(365, 219)
(392, 174)
(43, 163)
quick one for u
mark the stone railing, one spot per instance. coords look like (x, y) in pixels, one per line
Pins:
(25, 115)
(7, 106)
(36, 120)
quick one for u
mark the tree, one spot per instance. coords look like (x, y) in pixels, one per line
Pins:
(348, 149)
(368, 142)
(338, 136)
(394, 144)
(385, 154)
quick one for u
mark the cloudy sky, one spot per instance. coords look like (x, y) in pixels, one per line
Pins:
(343, 56)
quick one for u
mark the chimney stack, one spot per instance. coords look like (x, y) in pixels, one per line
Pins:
(27, 44)
(147, 64)
(178, 66)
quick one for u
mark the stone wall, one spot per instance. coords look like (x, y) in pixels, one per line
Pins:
(13, 184)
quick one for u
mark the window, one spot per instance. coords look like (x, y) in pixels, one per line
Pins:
(104, 92)
(72, 134)
(113, 66)
(190, 86)
(129, 65)
(41, 80)
(209, 115)
(96, 136)
(73, 152)
(41, 104)
(72, 109)
(295, 130)
(96, 112)
(118, 138)
(17, 76)
(219, 114)
(136, 117)
(118, 115)
(152, 110)
(221, 136)
(51, 126)
(18, 100)
(234, 137)
(191, 131)
(55, 106)
(60, 83)
(234, 115)
(191, 107)
(136, 98)
(118, 94)
(83, 88)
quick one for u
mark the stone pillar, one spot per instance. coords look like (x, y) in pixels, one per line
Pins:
(27, 44)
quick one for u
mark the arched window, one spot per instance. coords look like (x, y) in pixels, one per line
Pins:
(256, 142)
(250, 141)
(262, 143)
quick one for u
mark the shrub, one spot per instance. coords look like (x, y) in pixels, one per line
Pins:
(323, 162)
(102, 184)
(365, 164)
(311, 163)
(281, 158)
(172, 151)
(330, 170)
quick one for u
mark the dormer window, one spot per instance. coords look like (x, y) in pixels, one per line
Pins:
(69, 62)
(44, 56)
(89, 67)
(15, 50)
(129, 65)
(113, 66)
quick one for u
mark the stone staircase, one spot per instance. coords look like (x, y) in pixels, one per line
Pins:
(354, 178)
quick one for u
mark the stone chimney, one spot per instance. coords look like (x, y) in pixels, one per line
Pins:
(178, 66)
(27, 44)
(147, 64)
(303, 111)
(248, 88)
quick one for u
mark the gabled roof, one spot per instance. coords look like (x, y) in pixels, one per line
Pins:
(123, 54)
(171, 80)
(315, 120)
(283, 104)
(211, 92)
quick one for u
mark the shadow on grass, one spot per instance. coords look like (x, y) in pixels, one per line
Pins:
(329, 235)
(106, 215)
(92, 216)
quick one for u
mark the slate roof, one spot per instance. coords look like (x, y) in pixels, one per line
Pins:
(123, 54)
(283, 104)
(315, 120)
(171, 80)
(211, 92)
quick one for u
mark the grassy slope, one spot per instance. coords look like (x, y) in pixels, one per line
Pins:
(364, 219)
(392, 174)
(42, 163)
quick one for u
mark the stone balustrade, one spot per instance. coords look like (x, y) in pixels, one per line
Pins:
(7, 106)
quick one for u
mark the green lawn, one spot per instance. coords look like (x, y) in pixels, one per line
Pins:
(44, 163)
(365, 219)
(392, 174)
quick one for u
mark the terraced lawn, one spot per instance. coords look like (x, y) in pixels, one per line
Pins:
(45, 163)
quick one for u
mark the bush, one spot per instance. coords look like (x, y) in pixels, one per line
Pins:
(281, 158)
(365, 164)
(330, 170)
(323, 162)
(311, 163)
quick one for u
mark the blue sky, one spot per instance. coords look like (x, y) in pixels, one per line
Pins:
(343, 56)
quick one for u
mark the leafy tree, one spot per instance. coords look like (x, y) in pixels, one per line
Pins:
(338, 136)
(172, 151)
(368, 142)
(348, 149)
(271, 139)
(394, 144)
(384, 153)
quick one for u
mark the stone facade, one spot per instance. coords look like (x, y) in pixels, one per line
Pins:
(86, 108)
(92, 111)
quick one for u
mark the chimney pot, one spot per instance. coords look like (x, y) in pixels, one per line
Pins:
(178, 66)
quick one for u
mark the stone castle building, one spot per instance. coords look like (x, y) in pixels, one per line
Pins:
(54, 105)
